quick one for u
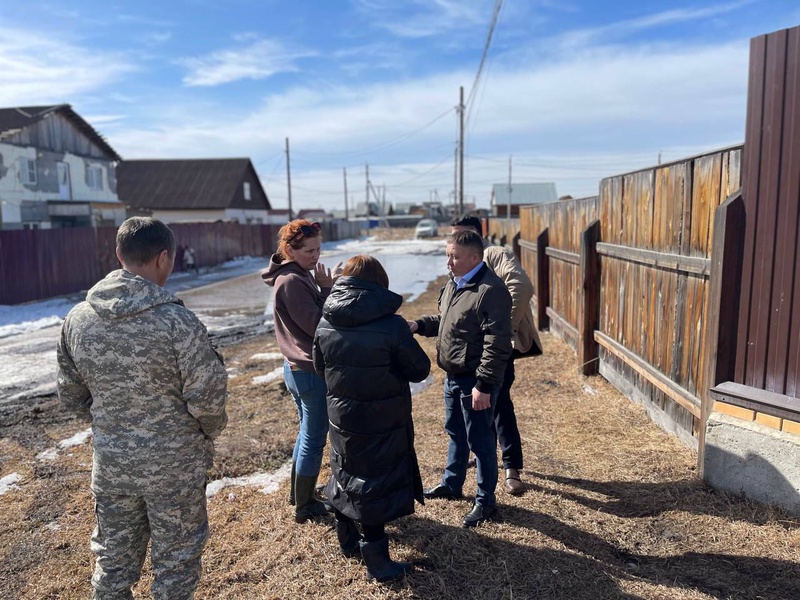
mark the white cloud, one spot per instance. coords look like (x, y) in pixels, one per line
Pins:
(41, 68)
(259, 60)
(425, 18)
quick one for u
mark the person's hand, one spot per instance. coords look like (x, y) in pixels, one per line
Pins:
(337, 271)
(412, 325)
(480, 400)
(323, 276)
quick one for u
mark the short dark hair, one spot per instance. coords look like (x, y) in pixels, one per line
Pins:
(467, 239)
(367, 268)
(468, 221)
(141, 239)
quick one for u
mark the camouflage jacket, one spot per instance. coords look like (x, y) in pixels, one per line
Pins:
(142, 365)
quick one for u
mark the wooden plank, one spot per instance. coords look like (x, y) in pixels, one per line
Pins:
(542, 279)
(527, 245)
(680, 395)
(762, 401)
(661, 260)
(719, 355)
(590, 305)
(563, 325)
(678, 371)
(563, 255)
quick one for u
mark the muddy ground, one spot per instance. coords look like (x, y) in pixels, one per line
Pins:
(613, 506)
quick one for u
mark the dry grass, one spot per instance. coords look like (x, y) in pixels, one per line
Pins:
(613, 507)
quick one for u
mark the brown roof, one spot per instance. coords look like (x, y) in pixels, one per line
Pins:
(209, 183)
(12, 120)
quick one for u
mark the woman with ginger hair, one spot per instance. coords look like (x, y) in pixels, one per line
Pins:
(368, 355)
(301, 286)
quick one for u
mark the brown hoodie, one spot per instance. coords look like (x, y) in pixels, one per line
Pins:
(298, 309)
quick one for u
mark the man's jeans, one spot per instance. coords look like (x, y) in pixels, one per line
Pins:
(469, 430)
(309, 391)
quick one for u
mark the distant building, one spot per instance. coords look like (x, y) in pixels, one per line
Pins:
(520, 194)
(55, 171)
(193, 190)
(311, 214)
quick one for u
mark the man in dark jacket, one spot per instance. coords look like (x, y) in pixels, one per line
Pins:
(367, 356)
(474, 344)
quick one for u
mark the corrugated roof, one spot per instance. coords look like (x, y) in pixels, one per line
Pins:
(209, 183)
(12, 120)
(525, 193)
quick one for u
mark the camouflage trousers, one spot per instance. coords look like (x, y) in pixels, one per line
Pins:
(175, 524)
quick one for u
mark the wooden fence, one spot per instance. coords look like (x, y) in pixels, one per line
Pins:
(624, 279)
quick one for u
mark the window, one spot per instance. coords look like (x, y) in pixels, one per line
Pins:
(27, 171)
(247, 191)
(94, 177)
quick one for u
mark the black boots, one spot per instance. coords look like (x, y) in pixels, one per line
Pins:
(306, 504)
(349, 537)
(379, 565)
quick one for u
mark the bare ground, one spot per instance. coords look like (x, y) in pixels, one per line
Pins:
(613, 506)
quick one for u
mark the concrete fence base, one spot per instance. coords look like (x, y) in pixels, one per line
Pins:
(744, 457)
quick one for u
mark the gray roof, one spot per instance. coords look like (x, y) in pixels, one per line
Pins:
(12, 120)
(209, 183)
(524, 193)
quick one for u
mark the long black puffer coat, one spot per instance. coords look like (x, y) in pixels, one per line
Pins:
(367, 355)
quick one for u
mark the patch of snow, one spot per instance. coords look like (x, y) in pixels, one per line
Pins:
(49, 454)
(9, 482)
(266, 482)
(589, 390)
(53, 526)
(269, 377)
(265, 356)
(76, 440)
(417, 387)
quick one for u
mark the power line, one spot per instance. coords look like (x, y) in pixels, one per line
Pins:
(383, 145)
(492, 24)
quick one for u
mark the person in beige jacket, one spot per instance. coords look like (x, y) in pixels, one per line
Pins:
(525, 342)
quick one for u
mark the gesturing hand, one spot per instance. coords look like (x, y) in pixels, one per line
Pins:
(323, 276)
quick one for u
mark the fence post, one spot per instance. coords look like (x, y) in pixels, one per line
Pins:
(590, 299)
(542, 279)
(722, 305)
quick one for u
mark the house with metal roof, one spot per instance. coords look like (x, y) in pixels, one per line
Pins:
(520, 194)
(55, 170)
(193, 190)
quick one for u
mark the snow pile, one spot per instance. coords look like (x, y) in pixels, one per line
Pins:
(9, 482)
(266, 482)
(269, 377)
(75, 440)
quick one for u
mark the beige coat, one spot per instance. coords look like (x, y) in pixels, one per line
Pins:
(506, 266)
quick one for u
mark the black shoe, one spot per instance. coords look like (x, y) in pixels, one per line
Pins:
(441, 491)
(479, 514)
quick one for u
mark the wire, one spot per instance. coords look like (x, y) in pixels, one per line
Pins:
(492, 24)
(381, 146)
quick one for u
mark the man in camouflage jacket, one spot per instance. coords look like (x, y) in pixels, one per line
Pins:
(142, 365)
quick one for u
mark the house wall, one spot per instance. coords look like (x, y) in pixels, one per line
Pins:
(14, 193)
(258, 197)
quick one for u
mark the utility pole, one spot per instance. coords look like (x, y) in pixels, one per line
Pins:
(346, 214)
(455, 184)
(289, 178)
(461, 153)
(366, 198)
(508, 209)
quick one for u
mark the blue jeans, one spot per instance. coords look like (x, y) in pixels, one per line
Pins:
(469, 430)
(308, 390)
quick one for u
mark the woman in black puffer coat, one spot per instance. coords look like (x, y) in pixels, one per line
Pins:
(367, 355)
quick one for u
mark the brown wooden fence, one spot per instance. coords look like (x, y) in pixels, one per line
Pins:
(624, 279)
(43, 263)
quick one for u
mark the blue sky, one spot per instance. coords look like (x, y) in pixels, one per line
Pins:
(572, 90)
